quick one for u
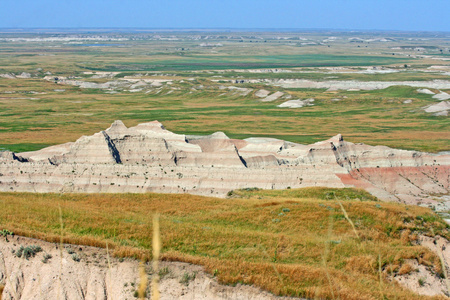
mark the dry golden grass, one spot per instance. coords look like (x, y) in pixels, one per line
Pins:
(142, 282)
(282, 243)
(405, 269)
(156, 247)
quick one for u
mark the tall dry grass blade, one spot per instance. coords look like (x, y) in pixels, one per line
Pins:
(273, 266)
(348, 219)
(142, 281)
(380, 274)
(444, 270)
(156, 252)
(109, 267)
(443, 264)
(326, 252)
(60, 249)
(2, 287)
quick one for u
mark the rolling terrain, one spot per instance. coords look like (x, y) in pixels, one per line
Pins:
(293, 242)
(308, 164)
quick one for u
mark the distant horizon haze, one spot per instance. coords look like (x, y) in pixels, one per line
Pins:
(269, 15)
(212, 30)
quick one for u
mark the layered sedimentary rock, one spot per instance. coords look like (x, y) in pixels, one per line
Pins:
(149, 158)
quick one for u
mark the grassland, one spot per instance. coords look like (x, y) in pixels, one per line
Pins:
(292, 242)
(35, 113)
(30, 121)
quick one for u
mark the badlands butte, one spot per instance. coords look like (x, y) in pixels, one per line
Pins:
(149, 158)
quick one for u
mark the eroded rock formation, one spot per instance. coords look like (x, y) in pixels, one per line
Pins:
(92, 273)
(149, 158)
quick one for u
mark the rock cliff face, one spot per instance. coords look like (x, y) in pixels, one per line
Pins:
(149, 158)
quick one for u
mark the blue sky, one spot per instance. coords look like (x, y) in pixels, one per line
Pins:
(413, 15)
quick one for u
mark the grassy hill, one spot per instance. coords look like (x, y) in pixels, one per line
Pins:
(318, 243)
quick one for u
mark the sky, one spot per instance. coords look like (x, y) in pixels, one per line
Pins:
(405, 15)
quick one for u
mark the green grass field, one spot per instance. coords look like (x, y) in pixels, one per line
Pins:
(29, 121)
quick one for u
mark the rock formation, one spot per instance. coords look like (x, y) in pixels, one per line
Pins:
(149, 158)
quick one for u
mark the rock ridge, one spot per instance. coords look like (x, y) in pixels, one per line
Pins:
(150, 158)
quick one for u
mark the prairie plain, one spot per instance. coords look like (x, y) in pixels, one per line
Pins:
(364, 85)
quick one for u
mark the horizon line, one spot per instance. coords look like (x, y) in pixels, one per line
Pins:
(218, 29)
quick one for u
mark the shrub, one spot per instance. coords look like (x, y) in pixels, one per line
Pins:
(164, 272)
(6, 232)
(421, 281)
(75, 257)
(46, 257)
(27, 252)
(186, 278)
(251, 189)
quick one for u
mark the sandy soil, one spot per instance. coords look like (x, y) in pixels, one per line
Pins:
(94, 277)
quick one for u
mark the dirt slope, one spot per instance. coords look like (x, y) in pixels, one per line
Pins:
(93, 277)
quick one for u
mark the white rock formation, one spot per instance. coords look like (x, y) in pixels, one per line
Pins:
(442, 96)
(297, 103)
(272, 97)
(239, 90)
(8, 76)
(24, 75)
(262, 93)
(425, 91)
(98, 275)
(441, 108)
(357, 85)
(149, 158)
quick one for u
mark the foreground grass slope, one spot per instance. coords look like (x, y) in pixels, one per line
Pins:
(293, 242)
